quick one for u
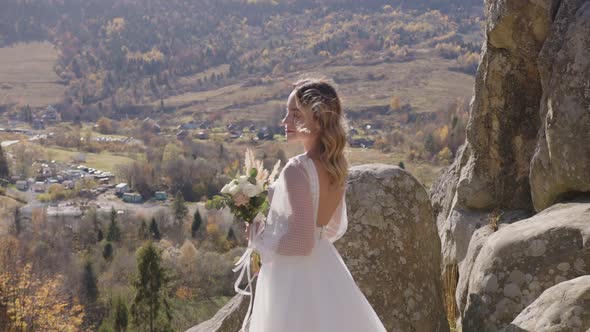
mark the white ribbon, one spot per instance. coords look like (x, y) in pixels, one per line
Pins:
(243, 264)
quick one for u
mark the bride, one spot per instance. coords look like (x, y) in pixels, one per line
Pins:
(303, 284)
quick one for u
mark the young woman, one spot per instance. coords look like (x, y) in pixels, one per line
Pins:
(303, 284)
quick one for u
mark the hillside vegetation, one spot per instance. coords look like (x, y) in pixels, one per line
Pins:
(116, 54)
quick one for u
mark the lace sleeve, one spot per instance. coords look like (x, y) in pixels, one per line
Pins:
(299, 238)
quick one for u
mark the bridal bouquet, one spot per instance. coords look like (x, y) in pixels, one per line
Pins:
(246, 194)
(246, 197)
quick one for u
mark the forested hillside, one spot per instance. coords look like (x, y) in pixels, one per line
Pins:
(121, 53)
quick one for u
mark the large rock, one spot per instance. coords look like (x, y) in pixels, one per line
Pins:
(504, 119)
(491, 170)
(519, 261)
(563, 307)
(561, 163)
(392, 248)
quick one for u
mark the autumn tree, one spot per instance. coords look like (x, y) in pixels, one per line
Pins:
(395, 104)
(38, 304)
(150, 301)
(104, 126)
(188, 259)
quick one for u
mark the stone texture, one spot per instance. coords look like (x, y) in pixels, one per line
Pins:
(392, 248)
(491, 170)
(527, 148)
(563, 307)
(504, 119)
(560, 167)
(519, 261)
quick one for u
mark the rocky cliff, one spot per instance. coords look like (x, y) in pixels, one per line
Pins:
(513, 209)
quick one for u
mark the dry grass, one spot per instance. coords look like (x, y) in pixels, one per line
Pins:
(450, 280)
(27, 76)
(103, 161)
(425, 83)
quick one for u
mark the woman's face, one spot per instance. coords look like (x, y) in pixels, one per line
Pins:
(297, 117)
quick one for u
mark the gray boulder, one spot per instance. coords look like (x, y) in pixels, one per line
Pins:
(519, 261)
(392, 248)
(560, 167)
(563, 307)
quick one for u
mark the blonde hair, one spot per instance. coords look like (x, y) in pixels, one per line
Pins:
(321, 98)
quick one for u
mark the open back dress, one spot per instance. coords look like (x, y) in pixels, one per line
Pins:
(303, 284)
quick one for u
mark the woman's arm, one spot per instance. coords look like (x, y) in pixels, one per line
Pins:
(299, 238)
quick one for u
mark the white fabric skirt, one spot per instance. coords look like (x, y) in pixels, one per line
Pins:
(314, 293)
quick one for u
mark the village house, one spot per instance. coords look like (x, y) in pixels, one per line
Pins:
(132, 197)
(121, 188)
(22, 185)
(202, 135)
(39, 187)
(181, 134)
(191, 125)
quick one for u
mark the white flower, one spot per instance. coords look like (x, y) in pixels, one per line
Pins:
(225, 189)
(250, 190)
(275, 171)
(234, 189)
(242, 179)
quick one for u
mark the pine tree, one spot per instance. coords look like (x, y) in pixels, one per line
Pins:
(114, 233)
(121, 315)
(196, 223)
(180, 211)
(150, 291)
(89, 283)
(143, 231)
(17, 224)
(4, 173)
(154, 230)
(107, 252)
(231, 236)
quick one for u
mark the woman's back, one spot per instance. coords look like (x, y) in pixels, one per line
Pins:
(330, 196)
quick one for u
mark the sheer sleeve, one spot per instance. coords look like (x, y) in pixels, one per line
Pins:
(299, 238)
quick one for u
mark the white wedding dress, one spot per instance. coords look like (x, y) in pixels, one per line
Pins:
(303, 284)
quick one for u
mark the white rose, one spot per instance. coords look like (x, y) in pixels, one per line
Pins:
(225, 189)
(259, 187)
(250, 190)
(234, 189)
